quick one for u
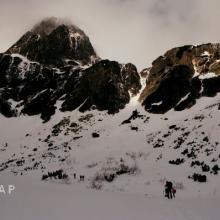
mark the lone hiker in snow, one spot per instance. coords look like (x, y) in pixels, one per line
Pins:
(169, 190)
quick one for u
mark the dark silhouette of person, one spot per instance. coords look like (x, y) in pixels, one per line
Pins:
(168, 190)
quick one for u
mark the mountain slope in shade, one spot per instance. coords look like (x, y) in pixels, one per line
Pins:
(181, 76)
(56, 61)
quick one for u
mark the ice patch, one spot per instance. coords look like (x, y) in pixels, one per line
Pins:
(24, 66)
(207, 75)
(157, 103)
(205, 54)
(184, 98)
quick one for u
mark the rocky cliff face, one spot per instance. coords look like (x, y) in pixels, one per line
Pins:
(52, 42)
(181, 76)
(55, 61)
(105, 85)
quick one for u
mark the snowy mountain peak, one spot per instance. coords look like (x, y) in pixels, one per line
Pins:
(54, 62)
(47, 25)
(53, 41)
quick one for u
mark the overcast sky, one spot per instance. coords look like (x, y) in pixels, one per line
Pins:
(136, 31)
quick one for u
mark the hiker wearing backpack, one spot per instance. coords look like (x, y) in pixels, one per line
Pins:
(168, 190)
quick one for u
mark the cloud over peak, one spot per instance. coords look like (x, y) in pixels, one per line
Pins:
(136, 31)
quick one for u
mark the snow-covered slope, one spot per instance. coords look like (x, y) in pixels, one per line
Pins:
(144, 146)
(33, 200)
(137, 154)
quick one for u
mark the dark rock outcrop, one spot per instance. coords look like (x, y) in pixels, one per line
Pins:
(177, 79)
(105, 85)
(52, 42)
(5, 109)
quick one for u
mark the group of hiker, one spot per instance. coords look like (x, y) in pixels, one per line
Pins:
(170, 191)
